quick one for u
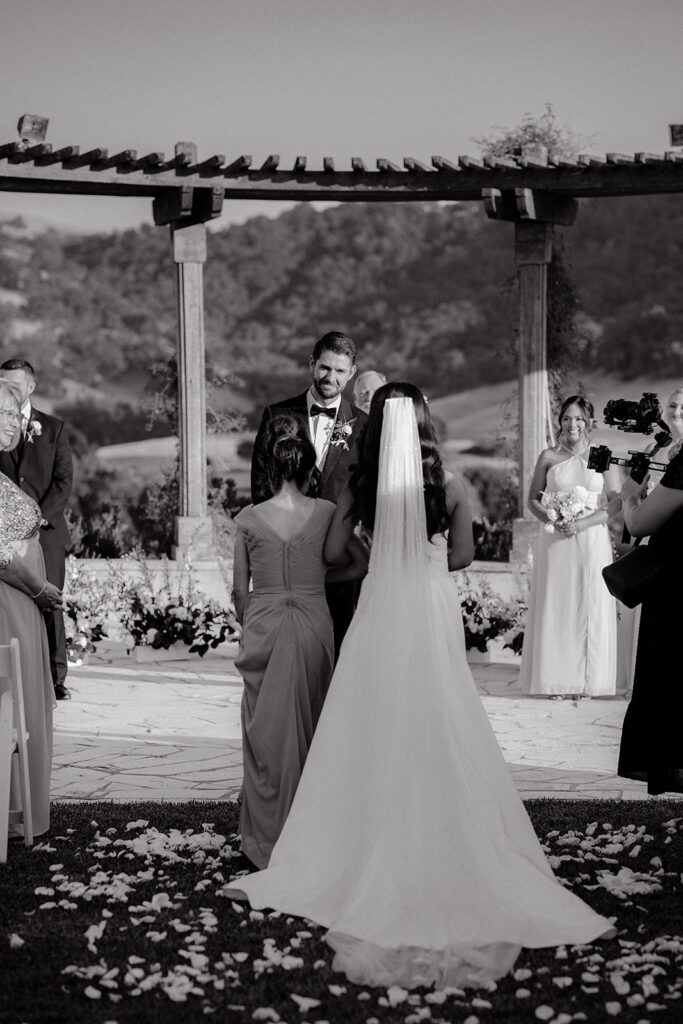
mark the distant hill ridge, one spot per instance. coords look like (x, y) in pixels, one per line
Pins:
(427, 292)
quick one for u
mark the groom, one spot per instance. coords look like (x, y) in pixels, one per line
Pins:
(333, 425)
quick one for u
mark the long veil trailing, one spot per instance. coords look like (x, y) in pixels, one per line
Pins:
(407, 839)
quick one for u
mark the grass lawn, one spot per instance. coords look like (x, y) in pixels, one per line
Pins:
(118, 916)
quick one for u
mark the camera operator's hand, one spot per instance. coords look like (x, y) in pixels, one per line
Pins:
(631, 489)
(613, 504)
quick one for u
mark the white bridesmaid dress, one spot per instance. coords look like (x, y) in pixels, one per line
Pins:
(570, 640)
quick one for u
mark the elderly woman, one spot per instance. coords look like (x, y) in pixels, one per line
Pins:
(24, 591)
(651, 748)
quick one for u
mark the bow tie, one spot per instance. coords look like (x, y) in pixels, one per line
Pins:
(321, 410)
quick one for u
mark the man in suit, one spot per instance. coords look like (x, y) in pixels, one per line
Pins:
(333, 425)
(41, 465)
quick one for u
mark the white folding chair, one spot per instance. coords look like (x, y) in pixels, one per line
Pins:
(13, 748)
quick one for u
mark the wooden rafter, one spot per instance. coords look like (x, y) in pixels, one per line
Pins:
(27, 167)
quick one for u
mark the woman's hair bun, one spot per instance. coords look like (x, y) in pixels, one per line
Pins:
(290, 454)
(286, 445)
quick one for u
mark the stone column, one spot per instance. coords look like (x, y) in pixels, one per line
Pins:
(194, 532)
(533, 250)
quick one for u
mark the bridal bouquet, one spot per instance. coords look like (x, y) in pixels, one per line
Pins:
(564, 507)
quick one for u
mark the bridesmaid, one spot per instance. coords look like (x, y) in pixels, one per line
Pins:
(24, 591)
(287, 651)
(570, 638)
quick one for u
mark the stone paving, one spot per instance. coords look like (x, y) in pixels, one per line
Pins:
(170, 730)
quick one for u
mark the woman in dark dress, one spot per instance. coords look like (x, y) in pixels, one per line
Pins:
(287, 649)
(651, 740)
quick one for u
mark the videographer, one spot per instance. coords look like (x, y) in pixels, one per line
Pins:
(673, 417)
(570, 638)
(651, 744)
(628, 623)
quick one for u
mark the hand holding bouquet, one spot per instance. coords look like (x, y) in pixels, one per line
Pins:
(564, 507)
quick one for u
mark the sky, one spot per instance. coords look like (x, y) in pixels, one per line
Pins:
(338, 78)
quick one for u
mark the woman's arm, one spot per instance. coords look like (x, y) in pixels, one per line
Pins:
(460, 539)
(358, 558)
(643, 515)
(17, 574)
(341, 529)
(537, 486)
(240, 575)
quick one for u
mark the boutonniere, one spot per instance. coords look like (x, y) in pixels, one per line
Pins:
(341, 432)
(34, 429)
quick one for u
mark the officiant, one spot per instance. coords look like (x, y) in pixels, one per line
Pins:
(333, 425)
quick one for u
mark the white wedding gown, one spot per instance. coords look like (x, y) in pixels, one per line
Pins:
(407, 839)
(570, 641)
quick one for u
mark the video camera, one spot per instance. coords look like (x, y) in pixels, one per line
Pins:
(638, 417)
(634, 418)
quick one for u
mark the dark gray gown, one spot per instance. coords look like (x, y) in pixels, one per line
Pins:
(286, 660)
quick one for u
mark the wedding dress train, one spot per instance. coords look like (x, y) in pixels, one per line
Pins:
(407, 839)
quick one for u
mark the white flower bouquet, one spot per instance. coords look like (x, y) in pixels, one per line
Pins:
(564, 507)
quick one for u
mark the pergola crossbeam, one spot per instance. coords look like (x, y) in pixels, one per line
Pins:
(26, 167)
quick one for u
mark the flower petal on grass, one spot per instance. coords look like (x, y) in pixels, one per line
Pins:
(305, 1003)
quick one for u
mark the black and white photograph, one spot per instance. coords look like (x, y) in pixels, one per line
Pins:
(341, 511)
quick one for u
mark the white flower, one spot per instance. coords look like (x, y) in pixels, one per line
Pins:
(34, 429)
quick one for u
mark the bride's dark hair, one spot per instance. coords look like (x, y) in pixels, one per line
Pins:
(364, 476)
(290, 454)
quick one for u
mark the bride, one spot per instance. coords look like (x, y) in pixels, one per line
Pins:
(407, 839)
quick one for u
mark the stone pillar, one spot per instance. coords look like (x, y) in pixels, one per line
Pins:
(533, 250)
(194, 532)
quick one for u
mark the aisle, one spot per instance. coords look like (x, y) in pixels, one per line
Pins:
(171, 731)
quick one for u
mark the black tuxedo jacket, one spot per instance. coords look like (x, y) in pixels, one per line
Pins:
(43, 469)
(338, 461)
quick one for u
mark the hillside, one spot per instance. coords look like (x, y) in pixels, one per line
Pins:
(427, 292)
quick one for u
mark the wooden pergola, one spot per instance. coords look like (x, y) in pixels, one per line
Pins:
(530, 191)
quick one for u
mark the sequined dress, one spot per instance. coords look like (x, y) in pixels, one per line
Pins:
(20, 617)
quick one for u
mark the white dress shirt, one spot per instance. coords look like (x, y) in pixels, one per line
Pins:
(320, 427)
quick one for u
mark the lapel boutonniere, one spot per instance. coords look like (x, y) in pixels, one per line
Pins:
(34, 429)
(340, 433)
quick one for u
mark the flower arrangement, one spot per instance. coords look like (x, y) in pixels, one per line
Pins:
(564, 507)
(86, 606)
(140, 611)
(161, 616)
(487, 616)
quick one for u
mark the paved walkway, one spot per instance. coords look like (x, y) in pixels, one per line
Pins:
(170, 730)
